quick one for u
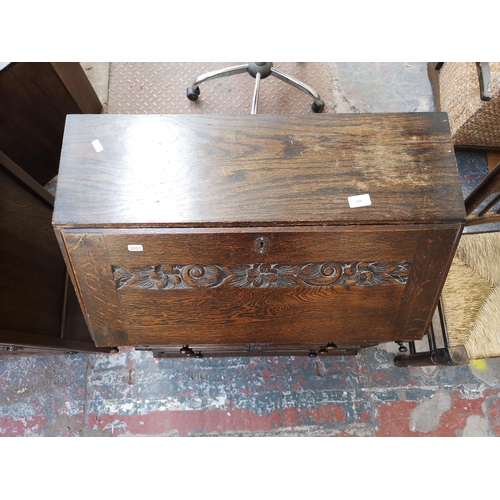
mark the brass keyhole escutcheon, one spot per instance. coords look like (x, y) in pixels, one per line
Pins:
(262, 245)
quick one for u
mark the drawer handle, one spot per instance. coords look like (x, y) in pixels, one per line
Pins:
(328, 348)
(187, 351)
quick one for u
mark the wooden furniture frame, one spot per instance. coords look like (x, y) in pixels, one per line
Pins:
(482, 207)
(216, 235)
(34, 101)
(39, 312)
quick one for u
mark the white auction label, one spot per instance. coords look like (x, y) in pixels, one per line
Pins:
(361, 200)
(135, 248)
(97, 145)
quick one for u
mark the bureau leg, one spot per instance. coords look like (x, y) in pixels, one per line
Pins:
(435, 356)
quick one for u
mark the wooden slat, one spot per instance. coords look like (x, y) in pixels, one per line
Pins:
(490, 185)
(26, 179)
(493, 159)
(25, 339)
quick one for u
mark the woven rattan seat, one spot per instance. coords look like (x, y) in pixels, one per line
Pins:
(469, 308)
(471, 296)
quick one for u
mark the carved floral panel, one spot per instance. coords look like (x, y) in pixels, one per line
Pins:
(330, 274)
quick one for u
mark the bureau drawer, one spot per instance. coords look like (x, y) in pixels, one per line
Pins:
(295, 285)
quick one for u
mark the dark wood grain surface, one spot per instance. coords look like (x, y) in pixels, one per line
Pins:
(230, 247)
(78, 85)
(433, 256)
(261, 315)
(33, 108)
(95, 288)
(27, 181)
(185, 171)
(32, 271)
(38, 308)
(216, 288)
(236, 230)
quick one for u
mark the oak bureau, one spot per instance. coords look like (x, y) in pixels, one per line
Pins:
(244, 234)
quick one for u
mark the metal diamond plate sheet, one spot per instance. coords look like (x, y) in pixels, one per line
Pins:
(161, 88)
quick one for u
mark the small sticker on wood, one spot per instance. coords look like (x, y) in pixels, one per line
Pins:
(135, 248)
(361, 200)
(97, 145)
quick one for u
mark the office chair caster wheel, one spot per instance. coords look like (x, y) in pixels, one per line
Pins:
(317, 107)
(192, 94)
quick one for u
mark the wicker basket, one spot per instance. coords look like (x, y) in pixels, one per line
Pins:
(473, 122)
(471, 296)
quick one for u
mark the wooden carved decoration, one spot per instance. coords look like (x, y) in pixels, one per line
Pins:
(174, 276)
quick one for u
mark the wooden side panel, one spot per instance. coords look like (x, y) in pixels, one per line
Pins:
(33, 108)
(32, 272)
(91, 274)
(75, 80)
(433, 256)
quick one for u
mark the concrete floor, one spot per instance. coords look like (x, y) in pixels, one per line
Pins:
(132, 394)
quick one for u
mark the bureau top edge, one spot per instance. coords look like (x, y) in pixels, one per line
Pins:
(189, 170)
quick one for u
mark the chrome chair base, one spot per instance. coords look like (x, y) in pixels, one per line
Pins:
(259, 71)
